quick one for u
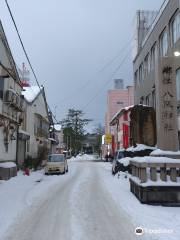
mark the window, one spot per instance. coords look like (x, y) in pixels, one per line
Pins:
(1, 87)
(163, 44)
(153, 57)
(178, 84)
(27, 146)
(142, 100)
(175, 28)
(154, 99)
(146, 66)
(120, 103)
(148, 100)
(141, 74)
(136, 79)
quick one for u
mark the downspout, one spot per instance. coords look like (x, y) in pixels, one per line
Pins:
(17, 141)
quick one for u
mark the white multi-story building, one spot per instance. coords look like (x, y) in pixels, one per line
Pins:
(11, 102)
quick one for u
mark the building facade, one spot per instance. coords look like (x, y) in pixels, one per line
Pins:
(134, 125)
(157, 73)
(11, 102)
(117, 98)
(36, 123)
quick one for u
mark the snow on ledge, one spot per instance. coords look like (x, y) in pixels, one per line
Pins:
(7, 165)
(164, 153)
(150, 159)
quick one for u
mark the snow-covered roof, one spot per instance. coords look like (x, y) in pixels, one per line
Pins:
(122, 110)
(126, 109)
(30, 93)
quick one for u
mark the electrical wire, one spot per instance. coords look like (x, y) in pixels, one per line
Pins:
(25, 52)
(102, 88)
(76, 92)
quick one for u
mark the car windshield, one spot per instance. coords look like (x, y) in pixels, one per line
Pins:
(56, 158)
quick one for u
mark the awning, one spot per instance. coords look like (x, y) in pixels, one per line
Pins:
(23, 135)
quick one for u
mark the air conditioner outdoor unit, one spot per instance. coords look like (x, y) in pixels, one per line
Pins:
(9, 96)
(17, 100)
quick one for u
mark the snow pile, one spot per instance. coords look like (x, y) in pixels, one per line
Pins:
(7, 165)
(125, 161)
(159, 152)
(30, 93)
(140, 147)
(84, 157)
(146, 216)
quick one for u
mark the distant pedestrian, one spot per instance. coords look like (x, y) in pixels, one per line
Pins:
(27, 171)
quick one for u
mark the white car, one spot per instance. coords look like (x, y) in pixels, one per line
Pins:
(56, 163)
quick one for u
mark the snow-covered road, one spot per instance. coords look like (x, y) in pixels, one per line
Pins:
(78, 207)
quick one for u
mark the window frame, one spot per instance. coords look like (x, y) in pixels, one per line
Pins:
(175, 17)
(163, 46)
(178, 89)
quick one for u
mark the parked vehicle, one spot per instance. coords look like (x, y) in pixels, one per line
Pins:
(56, 164)
(117, 166)
(109, 158)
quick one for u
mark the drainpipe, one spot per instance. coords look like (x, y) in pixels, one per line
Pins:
(17, 141)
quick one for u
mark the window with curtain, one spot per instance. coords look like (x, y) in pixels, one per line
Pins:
(1, 87)
(178, 84)
(153, 57)
(141, 73)
(154, 99)
(136, 80)
(175, 28)
(163, 44)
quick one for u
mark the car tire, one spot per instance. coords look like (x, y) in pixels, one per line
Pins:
(64, 171)
(67, 169)
(46, 173)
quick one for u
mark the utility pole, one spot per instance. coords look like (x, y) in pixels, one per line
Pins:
(76, 123)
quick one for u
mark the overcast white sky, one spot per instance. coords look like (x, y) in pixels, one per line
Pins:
(69, 41)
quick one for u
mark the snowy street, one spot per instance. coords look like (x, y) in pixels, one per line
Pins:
(87, 203)
(78, 207)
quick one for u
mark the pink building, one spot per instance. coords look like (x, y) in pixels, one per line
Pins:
(116, 100)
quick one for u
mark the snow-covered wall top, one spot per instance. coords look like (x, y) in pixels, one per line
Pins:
(161, 152)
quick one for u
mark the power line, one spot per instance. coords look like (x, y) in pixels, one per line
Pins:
(23, 47)
(115, 71)
(100, 70)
